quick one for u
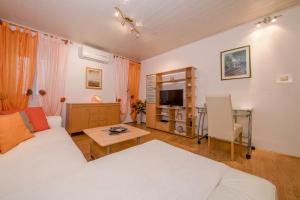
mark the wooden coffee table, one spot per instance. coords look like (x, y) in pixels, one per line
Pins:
(101, 137)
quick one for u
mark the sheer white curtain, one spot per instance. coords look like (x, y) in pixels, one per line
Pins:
(52, 59)
(122, 68)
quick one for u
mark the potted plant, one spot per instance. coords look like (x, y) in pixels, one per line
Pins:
(140, 108)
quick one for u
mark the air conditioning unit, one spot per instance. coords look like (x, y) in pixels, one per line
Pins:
(89, 53)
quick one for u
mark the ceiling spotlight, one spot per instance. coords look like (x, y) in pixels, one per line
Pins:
(267, 20)
(274, 19)
(139, 24)
(258, 24)
(129, 22)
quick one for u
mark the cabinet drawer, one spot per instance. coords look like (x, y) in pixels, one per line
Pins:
(97, 123)
(164, 126)
(98, 113)
(93, 124)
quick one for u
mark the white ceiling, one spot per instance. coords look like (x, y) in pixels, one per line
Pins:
(167, 24)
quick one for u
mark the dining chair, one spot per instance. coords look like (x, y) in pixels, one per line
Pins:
(220, 121)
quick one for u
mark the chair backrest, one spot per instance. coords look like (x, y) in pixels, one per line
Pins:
(220, 119)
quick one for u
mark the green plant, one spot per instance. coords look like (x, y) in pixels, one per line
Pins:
(139, 106)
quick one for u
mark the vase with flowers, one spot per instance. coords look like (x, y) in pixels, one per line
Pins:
(140, 108)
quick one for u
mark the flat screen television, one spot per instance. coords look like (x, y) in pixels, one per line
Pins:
(171, 97)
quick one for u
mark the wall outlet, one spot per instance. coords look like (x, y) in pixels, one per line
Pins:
(284, 78)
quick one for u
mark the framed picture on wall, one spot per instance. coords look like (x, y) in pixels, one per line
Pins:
(93, 78)
(236, 63)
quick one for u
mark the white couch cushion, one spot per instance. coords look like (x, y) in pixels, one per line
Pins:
(54, 121)
(50, 155)
(239, 185)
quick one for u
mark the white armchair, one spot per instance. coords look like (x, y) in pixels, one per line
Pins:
(220, 121)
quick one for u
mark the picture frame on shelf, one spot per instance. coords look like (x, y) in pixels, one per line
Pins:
(236, 63)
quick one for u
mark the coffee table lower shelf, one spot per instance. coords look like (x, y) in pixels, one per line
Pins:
(97, 151)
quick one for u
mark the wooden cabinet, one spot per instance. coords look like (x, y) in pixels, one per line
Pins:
(81, 116)
(150, 118)
(163, 126)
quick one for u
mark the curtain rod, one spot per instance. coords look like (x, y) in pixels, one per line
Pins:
(33, 30)
(130, 59)
(53, 36)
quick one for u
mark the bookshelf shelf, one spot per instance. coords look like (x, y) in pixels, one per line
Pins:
(172, 81)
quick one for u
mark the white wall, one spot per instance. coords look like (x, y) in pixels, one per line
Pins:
(75, 80)
(275, 49)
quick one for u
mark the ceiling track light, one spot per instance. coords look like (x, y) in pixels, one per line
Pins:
(267, 20)
(131, 23)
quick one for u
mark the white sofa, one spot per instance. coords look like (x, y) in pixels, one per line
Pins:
(50, 167)
(51, 154)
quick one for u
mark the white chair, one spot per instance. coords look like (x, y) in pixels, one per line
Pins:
(220, 121)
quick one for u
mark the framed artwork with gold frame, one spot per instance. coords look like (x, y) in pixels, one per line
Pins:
(236, 63)
(93, 78)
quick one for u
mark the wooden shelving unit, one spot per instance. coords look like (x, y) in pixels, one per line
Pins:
(190, 102)
(164, 117)
(172, 81)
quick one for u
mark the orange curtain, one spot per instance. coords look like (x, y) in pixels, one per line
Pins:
(134, 83)
(17, 67)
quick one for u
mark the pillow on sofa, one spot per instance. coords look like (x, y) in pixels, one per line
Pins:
(7, 112)
(37, 118)
(27, 121)
(12, 131)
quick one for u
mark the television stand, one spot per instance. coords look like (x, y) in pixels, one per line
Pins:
(174, 119)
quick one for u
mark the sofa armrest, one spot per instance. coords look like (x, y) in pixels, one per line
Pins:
(54, 121)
